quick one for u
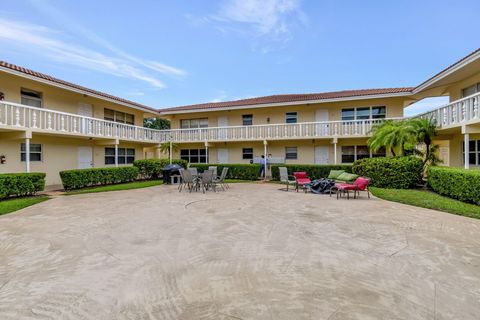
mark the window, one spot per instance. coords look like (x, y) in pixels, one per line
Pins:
(194, 155)
(382, 152)
(291, 153)
(31, 98)
(194, 123)
(364, 113)
(291, 117)
(125, 155)
(474, 154)
(352, 153)
(247, 153)
(348, 154)
(247, 119)
(35, 152)
(468, 91)
(117, 116)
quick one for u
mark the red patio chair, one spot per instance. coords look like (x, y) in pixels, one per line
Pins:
(360, 184)
(301, 179)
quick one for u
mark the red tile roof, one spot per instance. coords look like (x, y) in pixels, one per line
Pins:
(73, 86)
(285, 98)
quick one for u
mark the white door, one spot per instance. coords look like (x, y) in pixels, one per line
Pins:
(321, 155)
(222, 155)
(222, 122)
(321, 115)
(85, 157)
(86, 110)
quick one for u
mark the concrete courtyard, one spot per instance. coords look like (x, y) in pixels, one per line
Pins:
(253, 252)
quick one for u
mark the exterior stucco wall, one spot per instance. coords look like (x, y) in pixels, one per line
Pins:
(60, 99)
(305, 113)
(57, 154)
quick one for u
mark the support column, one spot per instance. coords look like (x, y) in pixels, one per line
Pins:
(466, 142)
(116, 154)
(335, 141)
(27, 155)
(206, 151)
(265, 155)
(170, 153)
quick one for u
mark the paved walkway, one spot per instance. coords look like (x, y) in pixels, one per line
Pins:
(250, 253)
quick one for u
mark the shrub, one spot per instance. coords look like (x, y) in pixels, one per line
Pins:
(455, 183)
(152, 168)
(81, 178)
(314, 171)
(391, 172)
(235, 171)
(21, 184)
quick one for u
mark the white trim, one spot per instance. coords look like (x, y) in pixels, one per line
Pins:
(69, 88)
(293, 103)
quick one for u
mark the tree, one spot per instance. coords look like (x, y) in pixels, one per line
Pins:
(155, 123)
(424, 132)
(393, 135)
(165, 148)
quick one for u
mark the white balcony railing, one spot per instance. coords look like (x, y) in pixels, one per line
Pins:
(15, 115)
(456, 113)
(305, 130)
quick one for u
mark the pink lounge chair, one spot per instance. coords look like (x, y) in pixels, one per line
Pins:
(301, 179)
(360, 184)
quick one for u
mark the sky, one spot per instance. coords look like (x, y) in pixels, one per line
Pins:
(170, 53)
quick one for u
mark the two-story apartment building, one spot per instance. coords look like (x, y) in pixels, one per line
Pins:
(49, 125)
(328, 128)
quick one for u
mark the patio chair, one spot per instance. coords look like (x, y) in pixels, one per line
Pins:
(286, 178)
(301, 179)
(193, 171)
(187, 180)
(221, 180)
(360, 184)
(214, 169)
(207, 180)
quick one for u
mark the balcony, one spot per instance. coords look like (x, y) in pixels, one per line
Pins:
(304, 130)
(457, 113)
(15, 116)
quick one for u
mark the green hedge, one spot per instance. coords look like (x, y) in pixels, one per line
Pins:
(21, 184)
(455, 183)
(152, 168)
(235, 171)
(391, 172)
(314, 171)
(81, 178)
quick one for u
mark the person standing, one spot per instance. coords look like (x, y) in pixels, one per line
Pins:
(263, 166)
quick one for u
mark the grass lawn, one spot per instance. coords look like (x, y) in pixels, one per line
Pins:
(428, 199)
(117, 187)
(10, 205)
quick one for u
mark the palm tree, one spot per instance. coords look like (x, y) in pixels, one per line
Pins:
(165, 148)
(424, 131)
(393, 135)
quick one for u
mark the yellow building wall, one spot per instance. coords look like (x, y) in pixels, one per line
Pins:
(305, 149)
(57, 154)
(455, 90)
(305, 113)
(60, 99)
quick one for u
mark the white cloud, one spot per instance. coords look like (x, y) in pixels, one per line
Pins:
(53, 45)
(265, 16)
(272, 19)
